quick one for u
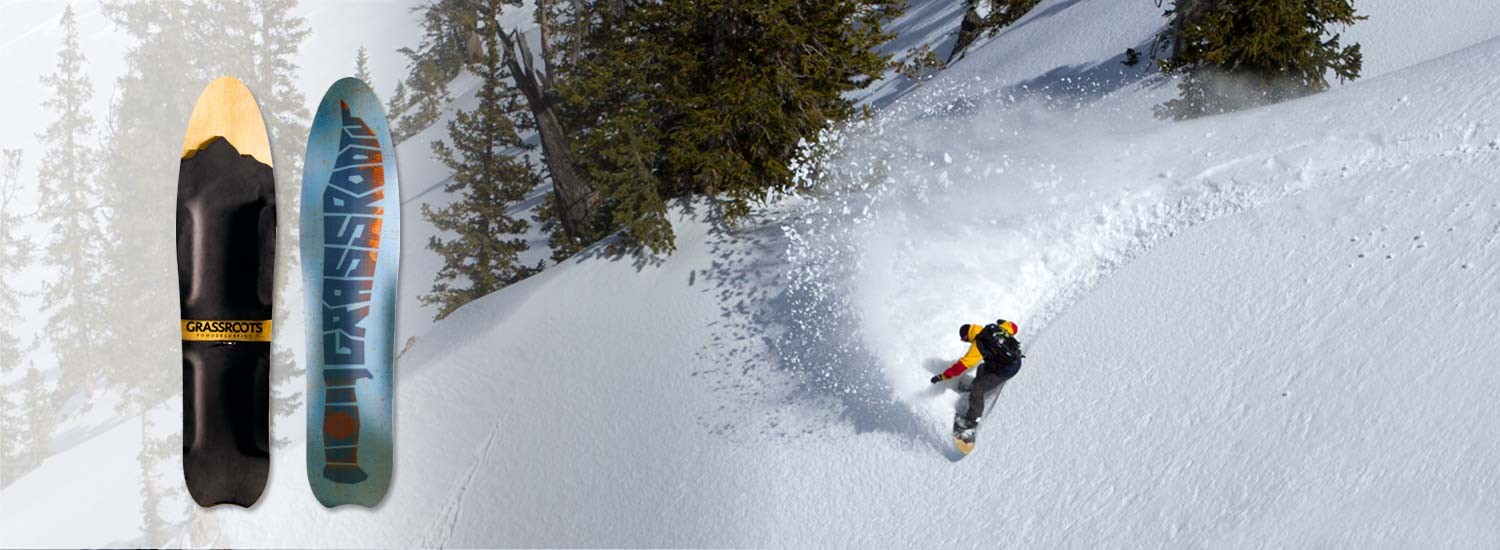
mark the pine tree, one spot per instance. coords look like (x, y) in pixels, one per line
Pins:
(37, 420)
(18, 445)
(484, 254)
(150, 107)
(1004, 12)
(16, 251)
(448, 28)
(716, 97)
(396, 111)
(68, 207)
(167, 66)
(362, 65)
(1234, 54)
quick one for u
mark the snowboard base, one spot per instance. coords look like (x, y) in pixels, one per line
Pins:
(963, 440)
(350, 243)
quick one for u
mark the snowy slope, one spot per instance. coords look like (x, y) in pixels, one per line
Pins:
(1429, 29)
(1338, 388)
(1263, 329)
(1144, 416)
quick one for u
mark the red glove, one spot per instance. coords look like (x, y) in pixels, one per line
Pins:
(955, 370)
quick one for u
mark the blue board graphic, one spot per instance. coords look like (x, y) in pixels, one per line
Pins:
(351, 245)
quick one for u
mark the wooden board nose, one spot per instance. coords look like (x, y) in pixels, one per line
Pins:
(227, 109)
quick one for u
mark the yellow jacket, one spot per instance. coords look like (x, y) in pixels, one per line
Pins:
(973, 357)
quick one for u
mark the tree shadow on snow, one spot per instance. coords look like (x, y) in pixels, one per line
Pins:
(1066, 87)
(1077, 85)
(615, 248)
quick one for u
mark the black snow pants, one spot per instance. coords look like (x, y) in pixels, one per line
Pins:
(990, 378)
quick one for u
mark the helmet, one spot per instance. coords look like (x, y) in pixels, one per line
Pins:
(1008, 326)
(963, 333)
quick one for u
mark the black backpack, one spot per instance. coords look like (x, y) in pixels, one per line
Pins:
(998, 347)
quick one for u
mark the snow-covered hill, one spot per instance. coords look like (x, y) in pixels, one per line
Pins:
(1272, 328)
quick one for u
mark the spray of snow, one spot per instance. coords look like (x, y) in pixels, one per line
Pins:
(963, 205)
(917, 226)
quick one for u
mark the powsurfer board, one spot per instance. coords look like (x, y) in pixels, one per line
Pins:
(226, 234)
(350, 240)
(964, 442)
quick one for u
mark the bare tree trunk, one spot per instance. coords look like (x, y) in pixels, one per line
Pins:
(968, 29)
(1183, 14)
(576, 198)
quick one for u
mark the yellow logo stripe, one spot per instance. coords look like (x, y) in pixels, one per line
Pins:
(218, 330)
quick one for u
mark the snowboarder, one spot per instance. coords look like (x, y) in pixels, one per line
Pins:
(996, 346)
